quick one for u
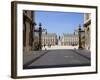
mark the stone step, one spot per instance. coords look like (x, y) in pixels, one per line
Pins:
(59, 47)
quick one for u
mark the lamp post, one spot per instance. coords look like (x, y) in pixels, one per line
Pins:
(79, 33)
(40, 35)
(40, 30)
(80, 36)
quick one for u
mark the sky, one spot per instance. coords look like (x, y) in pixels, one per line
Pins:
(59, 22)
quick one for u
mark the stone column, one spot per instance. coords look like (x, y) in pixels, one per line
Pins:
(27, 36)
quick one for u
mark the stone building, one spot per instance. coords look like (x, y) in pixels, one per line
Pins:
(87, 25)
(28, 30)
(69, 39)
(49, 39)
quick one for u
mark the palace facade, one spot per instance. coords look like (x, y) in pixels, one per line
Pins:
(49, 39)
(69, 39)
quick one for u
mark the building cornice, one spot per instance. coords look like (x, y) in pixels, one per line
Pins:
(87, 22)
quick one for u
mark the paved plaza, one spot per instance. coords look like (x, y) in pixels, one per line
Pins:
(56, 58)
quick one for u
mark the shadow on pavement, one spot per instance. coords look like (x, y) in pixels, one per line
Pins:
(85, 53)
(34, 59)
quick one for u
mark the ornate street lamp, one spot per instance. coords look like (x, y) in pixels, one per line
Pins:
(40, 35)
(80, 36)
(40, 30)
(80, 31)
